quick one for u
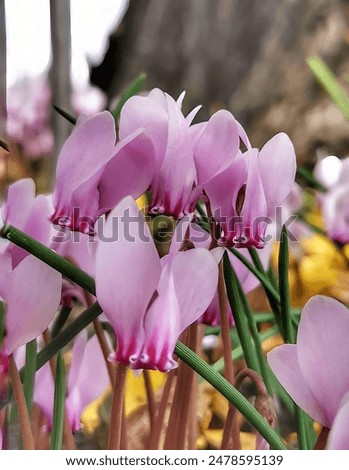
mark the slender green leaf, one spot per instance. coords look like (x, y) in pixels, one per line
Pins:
(310, 179)
(58, 407)
(231, 283)
(132, 90)
(49, 257)
(329, 83)
(60, 321)
(285, 302)
(230, 393)
(4, 145)
(66, 115)
(29, 373)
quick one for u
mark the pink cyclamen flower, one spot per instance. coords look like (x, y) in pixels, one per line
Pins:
(27, 213)
(31, 293)
(94, 174)
(248, 280)
(164, 123)
(87, 380)
(149, 301)
(334, 175)
(314, 371)
(245, 195)
(28, 121)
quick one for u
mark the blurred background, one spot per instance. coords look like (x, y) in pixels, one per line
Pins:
(248, 56)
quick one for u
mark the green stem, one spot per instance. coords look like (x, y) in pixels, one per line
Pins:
(232, 287)
(60, 321)
(58, 407)
(230, 393)
(29, 373)
(49, 257)
(194, 361)
(132, 90)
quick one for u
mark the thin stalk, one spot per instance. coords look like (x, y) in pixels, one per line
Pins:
(26, 432)
(230, 392)
(58, 406)
(178, 421)
(132, 90)
(117, 407)
(60, 321)
(239, 315)
(103, 343)
(150, 398)
(85, 281)
(160, 415)
(231, 434)
(49, 257)
(285, 305)
(29, 373)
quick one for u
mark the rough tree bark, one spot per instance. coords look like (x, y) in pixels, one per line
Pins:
(247, 55)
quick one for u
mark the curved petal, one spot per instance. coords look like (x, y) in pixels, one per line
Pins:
(91, 379)
(34, 293)
(327, 170)
(195, 275)
(338, 438)
(20, 198)
(127, 273)
(277, 168)
(44, 391)
(37, 226)
(162, 328)
(283, 361)
(223, 191)
(323, 351)
(89, 147)
(251, 230)
(83, 156)
(217, 145)
(173, 185)
(129, 172)
(141, 112)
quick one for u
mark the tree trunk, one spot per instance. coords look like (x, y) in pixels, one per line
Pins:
(246, 55)
(60, 73)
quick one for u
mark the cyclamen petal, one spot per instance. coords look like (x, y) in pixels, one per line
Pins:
(316, 375)
(169, 131)
(148, 302)
(88, 160)
(32, 293)
(127, 274)
(338, 438)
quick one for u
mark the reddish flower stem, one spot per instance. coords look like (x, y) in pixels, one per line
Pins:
(117, 408)
(26, 431)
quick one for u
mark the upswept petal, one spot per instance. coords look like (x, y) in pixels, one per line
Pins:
(90, 146)
(90, 382)
(20, 198)
(129, 172)
(251, 230)
(195, 275)
(32, 297)
(217, 146)
(141, 112)
(173, 184)
(277, 169)
(323, 351)
(283, 361)
(127, 274)
(338, 438)
(162, 328)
